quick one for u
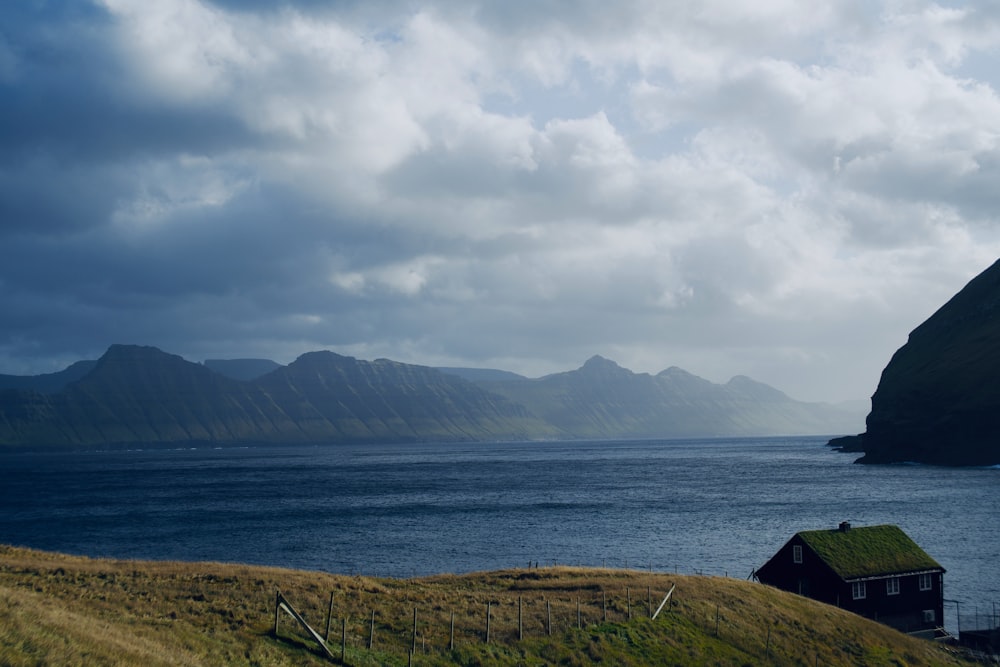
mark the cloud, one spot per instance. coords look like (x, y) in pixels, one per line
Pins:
(771, 189)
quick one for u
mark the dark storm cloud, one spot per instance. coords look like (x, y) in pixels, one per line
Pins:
(736, 190)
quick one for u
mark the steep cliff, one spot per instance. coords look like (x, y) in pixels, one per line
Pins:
(938, 400)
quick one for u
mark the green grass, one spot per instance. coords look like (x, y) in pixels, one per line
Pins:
(66, 610)
(868, 551)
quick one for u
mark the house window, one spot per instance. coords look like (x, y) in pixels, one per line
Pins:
(796, 553)
(926, 583)
(858, 590)
(892, 586)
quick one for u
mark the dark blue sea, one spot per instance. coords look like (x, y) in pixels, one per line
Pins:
(720, 507)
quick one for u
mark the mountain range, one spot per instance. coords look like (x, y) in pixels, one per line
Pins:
(138, 394)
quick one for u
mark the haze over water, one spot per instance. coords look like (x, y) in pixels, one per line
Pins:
(720, 507)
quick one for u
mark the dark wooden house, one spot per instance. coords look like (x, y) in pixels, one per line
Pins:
(875, 571)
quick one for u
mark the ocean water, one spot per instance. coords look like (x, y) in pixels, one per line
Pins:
(720, 507)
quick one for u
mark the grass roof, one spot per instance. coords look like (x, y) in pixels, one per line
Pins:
(868, 551)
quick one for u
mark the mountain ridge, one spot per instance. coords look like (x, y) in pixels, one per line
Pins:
(140, 394)
(604, 400)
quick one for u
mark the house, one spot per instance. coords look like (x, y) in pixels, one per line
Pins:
(875, 571)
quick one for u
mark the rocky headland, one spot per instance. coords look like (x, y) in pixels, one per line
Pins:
(938, 400)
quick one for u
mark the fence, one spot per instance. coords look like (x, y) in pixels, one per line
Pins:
(411, 627)
(981, 618)
(385, 622)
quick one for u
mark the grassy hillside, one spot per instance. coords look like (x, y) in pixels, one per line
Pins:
(67, 610)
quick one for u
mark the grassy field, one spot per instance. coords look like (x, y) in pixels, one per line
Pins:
(67, 610)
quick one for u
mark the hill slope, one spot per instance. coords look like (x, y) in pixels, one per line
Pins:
(938, 400)
(69, 610)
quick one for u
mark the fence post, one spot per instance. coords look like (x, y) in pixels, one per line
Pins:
(604, 605)
(548, 616)
(579, 618)
(649, 600)
(628, 601)
(489, 608)
(669, 597)
(451, 642)
(277, 608)
(371, 632)
(329, 617)
(413, 646)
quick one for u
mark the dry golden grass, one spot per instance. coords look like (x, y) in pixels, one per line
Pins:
(67, 610)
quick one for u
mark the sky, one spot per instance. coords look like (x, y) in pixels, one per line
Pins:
(778, 189)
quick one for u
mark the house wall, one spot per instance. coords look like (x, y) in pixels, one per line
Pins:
(812, 577)
(903, 610)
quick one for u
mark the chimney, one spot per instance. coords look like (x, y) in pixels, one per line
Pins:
(845, 526)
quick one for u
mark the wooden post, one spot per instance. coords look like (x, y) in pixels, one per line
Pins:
(413, 645)
(282, 603)
(665, 599)
(716, 620)
(329, 617)
(604, 605)
(371, 632)
(277, 608)
(548, 616)
(649, 600)
(628, 603)
(579, 618)
(489, 608)
(520, 624)
(451, 642)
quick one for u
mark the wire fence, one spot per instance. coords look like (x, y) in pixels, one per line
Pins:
(981, 618)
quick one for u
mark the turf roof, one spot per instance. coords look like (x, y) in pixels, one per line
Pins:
(868, 551)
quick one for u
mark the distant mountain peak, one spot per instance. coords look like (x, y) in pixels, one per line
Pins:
(675, 372)
(600, 364)
(130, 350)
(120, 353)
(122, 360)
(319, 357)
